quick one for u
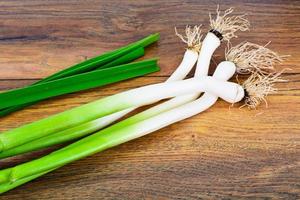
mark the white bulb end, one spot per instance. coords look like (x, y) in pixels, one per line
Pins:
(225, 70)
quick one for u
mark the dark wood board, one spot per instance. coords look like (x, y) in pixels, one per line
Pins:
(223, 153)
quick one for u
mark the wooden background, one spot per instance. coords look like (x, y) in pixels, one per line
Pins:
(221, 154)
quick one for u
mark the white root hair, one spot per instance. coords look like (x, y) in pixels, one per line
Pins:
(258, 86)
(228, 25)
(192, 37)
(249, 58)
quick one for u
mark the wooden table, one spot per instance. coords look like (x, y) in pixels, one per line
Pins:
(223, 153)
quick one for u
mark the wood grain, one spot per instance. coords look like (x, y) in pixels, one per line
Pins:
(224, 153)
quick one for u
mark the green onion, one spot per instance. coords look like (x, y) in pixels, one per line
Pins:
(74, 83)
(189, 59)
(60, 122)
(101, 60)
(123, 59)
(112, 104)
(85, 129)
(125, 130)
(134, 49)
(9, 186)
(136, 53)
(56, 138)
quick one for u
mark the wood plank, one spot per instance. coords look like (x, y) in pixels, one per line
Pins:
(53, 36)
